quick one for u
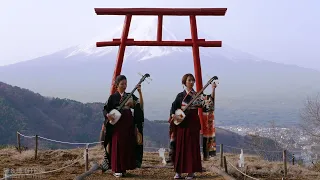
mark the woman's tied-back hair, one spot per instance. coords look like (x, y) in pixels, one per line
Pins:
(185, 77)
(119, 79)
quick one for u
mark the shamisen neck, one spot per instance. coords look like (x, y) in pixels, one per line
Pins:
(189, 90)
(121, 93)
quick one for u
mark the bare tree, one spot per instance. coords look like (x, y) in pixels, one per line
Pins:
(274, 133)
(310, 117)
(264, 147)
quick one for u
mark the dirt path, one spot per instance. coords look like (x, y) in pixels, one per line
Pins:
(50, 160)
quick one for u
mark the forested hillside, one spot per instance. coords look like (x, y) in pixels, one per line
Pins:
(68, 120)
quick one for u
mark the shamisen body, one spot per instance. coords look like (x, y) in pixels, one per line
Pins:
(197, 100)
(185, 127)
(115, 114)
(123, 128)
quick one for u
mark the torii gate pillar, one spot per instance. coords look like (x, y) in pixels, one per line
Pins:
(194, 42)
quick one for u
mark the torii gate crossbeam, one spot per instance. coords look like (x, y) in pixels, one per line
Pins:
(195, 42)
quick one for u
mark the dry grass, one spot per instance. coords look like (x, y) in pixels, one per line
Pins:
(152, 167)
(316, 167)
(262, 169)
(53, 159)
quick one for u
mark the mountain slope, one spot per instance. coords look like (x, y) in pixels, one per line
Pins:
(68, 120)
(248, 85)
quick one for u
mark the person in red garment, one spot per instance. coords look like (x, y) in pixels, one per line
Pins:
(187, 158)
(123, 156)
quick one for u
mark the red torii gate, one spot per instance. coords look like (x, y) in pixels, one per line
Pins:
(195, 42)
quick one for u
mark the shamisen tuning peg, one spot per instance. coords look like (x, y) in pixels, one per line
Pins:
(147, 77)
(147, 81)
(214, 81)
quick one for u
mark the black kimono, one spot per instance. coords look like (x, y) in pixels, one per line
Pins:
(138, 119)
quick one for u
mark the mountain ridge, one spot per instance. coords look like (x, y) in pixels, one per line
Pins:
(68, 120)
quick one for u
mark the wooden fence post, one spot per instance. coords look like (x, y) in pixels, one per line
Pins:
(285, 162)
(87, 158)
(7, 173)
(292, 159)
(246, 172)
(221, 155)
(36, 148)
(225, 164)
(18, 142)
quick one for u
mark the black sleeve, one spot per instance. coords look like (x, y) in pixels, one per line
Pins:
(108, 106)
(176, 104)
(138, 116)
(135, 100)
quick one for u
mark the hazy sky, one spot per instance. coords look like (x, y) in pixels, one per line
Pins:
(285, 31)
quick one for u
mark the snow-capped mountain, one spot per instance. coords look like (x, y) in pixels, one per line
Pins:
(141, 28)
(145, 28)
(251, 88)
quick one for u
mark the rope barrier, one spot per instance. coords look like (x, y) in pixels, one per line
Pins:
(25, 135)
(278, 151)
(99, 142)
(64, 142)
(249, 149)
(45, 172)
(241, 171)
(78, 143)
